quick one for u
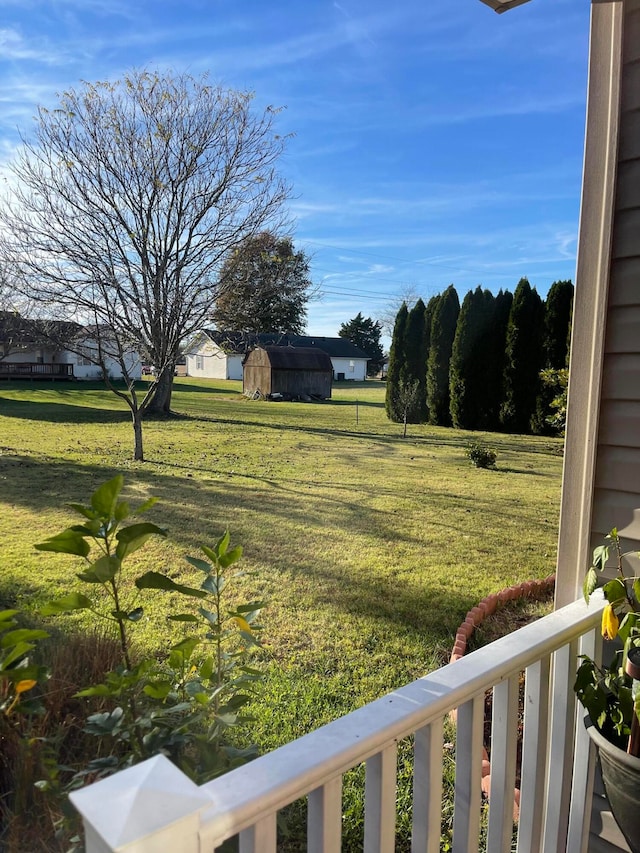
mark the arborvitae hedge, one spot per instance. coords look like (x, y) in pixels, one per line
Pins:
(415, 366)
(523, 359)
(494, 383)
(555, 347)
(471, 358)
(397, 357)
(443, 329)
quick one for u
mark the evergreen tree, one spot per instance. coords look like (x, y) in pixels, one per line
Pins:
(470, 361)
(429, 311)
(443, 329)
(557, 326)
(396, 362)
(495, 373)
(414, 370)
(364, 333)
(523, 359)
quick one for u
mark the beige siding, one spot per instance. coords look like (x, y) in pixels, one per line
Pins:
(616, 501)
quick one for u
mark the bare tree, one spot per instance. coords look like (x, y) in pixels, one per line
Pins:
(407, 295)
(125, 202)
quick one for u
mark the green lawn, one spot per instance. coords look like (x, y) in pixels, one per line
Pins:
(370, 548)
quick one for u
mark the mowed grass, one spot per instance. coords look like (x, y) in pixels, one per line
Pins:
(368, 547)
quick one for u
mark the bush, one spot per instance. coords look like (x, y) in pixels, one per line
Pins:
(481, 455)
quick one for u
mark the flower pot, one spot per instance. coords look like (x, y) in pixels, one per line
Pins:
(621, 779)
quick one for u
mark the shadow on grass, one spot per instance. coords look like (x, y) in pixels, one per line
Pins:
(67, 413)
(196, 510)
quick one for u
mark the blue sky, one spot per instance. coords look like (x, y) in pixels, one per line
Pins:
(434, 142)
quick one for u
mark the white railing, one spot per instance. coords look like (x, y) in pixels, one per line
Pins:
(153, 807)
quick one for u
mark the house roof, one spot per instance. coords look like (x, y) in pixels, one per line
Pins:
(22, 331)
(295, 358)
(242, 342)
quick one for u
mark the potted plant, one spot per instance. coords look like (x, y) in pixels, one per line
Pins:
(611, 693)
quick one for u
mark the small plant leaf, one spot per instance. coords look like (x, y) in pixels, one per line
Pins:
(122, 511)
(67, 542)
(155, 580)
(106, 568)
(183, 617)
(145, 506)
(627, 625)
(25, 684)
(600, 557)
(636, 589)
(231, 557)
(186, 647)
(84, 510)
(242, 624)
(135, 615)
(22, 635)
(614, 591)
(157, 689)
(590, 583)
(105, 498)
(199, 564)
(73, 601)
(133, 537)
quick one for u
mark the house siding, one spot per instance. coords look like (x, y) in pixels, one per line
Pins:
(616, 500)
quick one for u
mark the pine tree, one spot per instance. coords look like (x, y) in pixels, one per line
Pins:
(396, 361)
(470, 361)
(414, 370)
(443, 329)
(523, 359)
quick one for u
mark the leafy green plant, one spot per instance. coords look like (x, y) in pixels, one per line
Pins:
(481, 455)
(182, 706)
(606, 692)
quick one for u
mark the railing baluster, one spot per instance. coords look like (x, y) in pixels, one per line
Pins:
(534, 756)
(563, 712)
(380, 802)
(583, 765)
(324, 823)
(504, 734)
(427, 789)
(261, 837)
(467, 799)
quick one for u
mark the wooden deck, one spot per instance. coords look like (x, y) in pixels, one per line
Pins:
(34, 370)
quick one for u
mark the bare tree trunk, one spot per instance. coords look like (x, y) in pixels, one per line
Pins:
(161, 403)
(136, 417)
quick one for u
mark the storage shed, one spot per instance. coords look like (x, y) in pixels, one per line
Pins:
(291, 371)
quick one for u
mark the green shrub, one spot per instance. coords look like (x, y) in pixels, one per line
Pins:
(481, 455)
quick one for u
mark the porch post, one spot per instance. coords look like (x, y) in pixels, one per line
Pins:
(149, 808)
(591, 296)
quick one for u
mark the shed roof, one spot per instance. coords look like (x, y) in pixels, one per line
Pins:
(295, 358)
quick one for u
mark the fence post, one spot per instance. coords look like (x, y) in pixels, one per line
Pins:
(149, 808)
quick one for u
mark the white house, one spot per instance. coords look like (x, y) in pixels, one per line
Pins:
(59, 350)
(219, 355)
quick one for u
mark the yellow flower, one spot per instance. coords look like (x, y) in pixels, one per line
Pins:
(610, 623)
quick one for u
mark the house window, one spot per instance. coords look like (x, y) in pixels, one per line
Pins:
(352, 366)
(199, 362)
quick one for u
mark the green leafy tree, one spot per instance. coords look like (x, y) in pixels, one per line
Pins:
(471, 361)
(365, 333)
(396, 361)
(264, 286)
(523, 359)
(443, 330)
(428, 320)
(123, 206)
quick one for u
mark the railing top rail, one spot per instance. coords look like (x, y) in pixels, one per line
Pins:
(272, 781)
